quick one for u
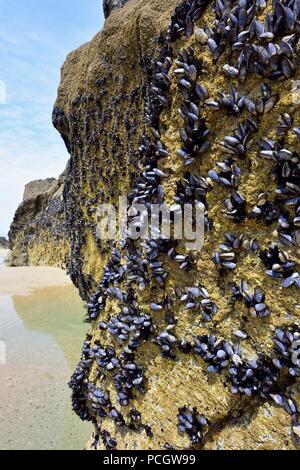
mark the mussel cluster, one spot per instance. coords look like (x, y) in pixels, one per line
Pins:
(193, 189)
(229, 174)
(184, 17)
(195, 132)
(167, 341)
(286, 173)
(218, 353)
(265, 48)
(234, 104)
(226, 257)
(280, 266)
(78, 383)
(198, 300)
(287, 346)
(192, 423)
(254, 299)
(113, 273)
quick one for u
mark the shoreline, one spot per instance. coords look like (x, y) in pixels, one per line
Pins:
(24, 280)
(42, 329)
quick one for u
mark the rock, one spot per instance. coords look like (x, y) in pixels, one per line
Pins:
(38, 232)
(99, 113)
(110, 86)
(4, 244)
(201, 35)
(35, 188)
(255, 430)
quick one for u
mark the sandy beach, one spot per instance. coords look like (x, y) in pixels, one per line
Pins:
(24, 280)
(42, 328)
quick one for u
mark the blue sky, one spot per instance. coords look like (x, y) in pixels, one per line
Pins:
(35, 37)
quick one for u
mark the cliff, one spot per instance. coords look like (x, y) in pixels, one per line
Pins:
(4, 243)
(37, 187)
(38, 232)
(189, 102)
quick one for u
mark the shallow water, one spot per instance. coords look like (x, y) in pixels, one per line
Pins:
(41, 335)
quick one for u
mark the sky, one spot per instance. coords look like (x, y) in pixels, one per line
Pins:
(35, 37)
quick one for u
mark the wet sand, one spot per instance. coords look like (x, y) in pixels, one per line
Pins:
(41, 333)
(24, 280)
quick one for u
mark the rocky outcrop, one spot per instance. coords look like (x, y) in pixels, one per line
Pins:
(38, 233)
(37, 187)
(207, 340)
(4, 244)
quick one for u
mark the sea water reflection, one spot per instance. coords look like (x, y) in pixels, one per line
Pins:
(41, 334)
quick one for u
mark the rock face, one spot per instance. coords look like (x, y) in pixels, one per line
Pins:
(38, 232)
(4, 243)
(37, 187)
(110, 5)
(218, 349)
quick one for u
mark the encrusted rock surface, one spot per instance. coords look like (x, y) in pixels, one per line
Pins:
(99, 112)
(38, 232)
(100, 115)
